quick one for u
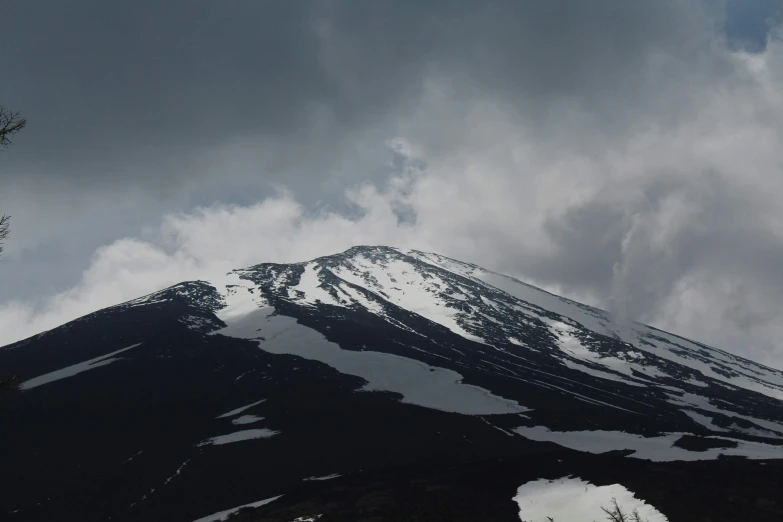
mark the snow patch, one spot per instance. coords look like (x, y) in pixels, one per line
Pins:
(418, 382)
(658, 448)
(576, 500)
(238, 295)
(403, 285)
(309, 285)
(644, 339)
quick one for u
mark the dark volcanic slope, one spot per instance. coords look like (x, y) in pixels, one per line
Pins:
(355, 364)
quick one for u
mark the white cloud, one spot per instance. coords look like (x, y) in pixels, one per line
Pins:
(202, 243)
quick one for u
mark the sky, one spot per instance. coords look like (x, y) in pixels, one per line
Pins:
(624, 154)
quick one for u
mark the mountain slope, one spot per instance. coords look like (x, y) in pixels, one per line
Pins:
(214, 394)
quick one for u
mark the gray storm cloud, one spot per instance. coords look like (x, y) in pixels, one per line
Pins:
(121, 92)
(623, 153)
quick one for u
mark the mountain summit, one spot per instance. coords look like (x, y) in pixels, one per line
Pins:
(363, 369)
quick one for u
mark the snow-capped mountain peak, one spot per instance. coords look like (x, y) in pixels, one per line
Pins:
(375, 357)
(504, 313)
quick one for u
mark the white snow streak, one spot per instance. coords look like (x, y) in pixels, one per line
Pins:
(223, 515)
(239, 436)
(76, 369)
(133, 456)
(246, 419)
(239, 410)
(359, 298)
(326, 477)
(179, 470)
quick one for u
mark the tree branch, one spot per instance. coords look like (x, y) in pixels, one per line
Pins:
(10, 124)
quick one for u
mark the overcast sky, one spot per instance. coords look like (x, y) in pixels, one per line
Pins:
(625, 154)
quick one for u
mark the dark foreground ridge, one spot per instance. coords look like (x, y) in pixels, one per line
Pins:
(481, 491)
(376, 384)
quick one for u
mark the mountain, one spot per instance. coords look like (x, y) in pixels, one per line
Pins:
(376, 384)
